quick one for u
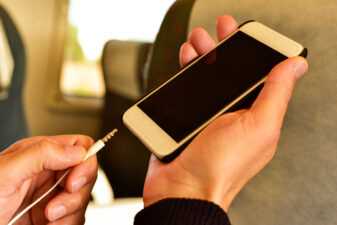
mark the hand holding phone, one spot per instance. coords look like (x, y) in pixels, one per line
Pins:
(235, 146)
(225, 79)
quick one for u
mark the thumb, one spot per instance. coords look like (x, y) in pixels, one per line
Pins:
(272, 102)
(42, 155)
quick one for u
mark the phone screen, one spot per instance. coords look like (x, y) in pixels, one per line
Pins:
(205, 88)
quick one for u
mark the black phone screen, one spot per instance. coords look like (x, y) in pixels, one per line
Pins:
(205, 88)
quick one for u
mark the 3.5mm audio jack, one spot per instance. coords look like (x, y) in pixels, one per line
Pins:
(92, 150)
(109, 135)
(100, 144)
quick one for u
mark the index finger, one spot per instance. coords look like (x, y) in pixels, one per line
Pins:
(201, 42)
(79, 140)
(225, 26)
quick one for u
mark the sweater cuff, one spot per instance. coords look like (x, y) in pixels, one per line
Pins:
(182, 211)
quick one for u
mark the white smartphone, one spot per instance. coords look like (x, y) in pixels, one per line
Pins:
(226, 78)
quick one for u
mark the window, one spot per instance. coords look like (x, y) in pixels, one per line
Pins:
(91, 24)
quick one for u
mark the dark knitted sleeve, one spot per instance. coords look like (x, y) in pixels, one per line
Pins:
(174, 211)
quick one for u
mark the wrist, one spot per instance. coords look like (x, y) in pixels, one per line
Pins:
(213, 193)
(182, 211)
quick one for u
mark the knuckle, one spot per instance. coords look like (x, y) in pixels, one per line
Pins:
(76, 202)
(44, 145)
(91, 141)
(269, 154)
(87, 139)
(268, 130)
(251, 118)
(270, 139)
(284, 84)
(195, 31)
(287, 92)
(272, 134)
(47, 146)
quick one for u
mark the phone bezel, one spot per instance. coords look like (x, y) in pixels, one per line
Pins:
(156, 139)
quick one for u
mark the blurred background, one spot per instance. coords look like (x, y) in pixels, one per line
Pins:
(74, 66)
(54, 48)
(90, 25)
(66, 38)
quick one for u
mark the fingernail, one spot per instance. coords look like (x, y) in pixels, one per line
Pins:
(57, 212)
(75, 152)
(300, 67)
(78, 184)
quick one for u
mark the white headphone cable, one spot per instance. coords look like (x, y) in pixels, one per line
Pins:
(92, 150)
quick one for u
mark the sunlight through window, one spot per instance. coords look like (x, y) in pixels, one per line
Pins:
(91, 24)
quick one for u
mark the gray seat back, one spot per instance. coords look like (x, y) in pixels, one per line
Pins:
(12, 120)
(299, 186)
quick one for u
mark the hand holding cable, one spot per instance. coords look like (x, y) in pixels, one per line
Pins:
(30, 167)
